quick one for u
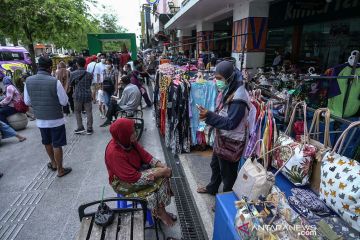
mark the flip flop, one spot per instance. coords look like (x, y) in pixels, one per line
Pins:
(23, 139)
(173, 216)
(202, 190)
(49, 165)
(66, 171)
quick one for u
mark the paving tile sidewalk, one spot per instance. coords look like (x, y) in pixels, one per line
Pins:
(36, 205)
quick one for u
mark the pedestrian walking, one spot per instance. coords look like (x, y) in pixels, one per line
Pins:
(91, 69)
(110, 83)
(63, 75)
(81, 80)
(47, 96)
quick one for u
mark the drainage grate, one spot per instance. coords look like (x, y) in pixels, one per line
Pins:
(191, 225)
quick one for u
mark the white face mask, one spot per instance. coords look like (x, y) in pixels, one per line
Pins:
(108, 66)
(102, 60)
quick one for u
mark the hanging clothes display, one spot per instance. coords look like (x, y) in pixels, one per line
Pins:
(346, 104)
(176, 99)
(203, 94)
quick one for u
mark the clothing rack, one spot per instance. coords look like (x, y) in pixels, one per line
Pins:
(327, 77)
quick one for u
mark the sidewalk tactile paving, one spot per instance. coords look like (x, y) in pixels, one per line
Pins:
(13, 219)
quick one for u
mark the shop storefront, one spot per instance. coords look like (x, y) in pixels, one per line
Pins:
(313, 33)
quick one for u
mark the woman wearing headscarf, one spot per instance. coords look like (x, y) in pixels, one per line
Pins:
(63, 75)
(133, 172)
(7, 104)
(137, 80)
(230, 124)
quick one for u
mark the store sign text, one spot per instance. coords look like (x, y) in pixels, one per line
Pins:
(293, 12)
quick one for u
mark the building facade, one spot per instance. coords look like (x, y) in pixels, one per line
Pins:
(320, 33)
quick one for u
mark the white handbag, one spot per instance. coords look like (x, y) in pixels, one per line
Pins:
(253, 179)
(340, 178)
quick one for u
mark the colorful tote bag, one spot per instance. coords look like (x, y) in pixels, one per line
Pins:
(298, 168)
(340, 178)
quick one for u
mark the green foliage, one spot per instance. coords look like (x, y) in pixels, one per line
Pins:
(108, 24)
(65, 23)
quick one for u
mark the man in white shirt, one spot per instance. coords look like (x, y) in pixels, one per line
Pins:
(47, 96)
(91, 67)
(100, 68)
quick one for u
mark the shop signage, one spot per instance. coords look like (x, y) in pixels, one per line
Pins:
(286, 13)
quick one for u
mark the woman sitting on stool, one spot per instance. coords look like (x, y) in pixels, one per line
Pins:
(126, 161)
(7, 104)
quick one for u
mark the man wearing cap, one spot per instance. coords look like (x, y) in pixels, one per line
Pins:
(47, 96)
(91, 69)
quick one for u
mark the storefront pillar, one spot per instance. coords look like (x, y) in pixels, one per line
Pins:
(185, 38)
(249, 34)
(204, 37)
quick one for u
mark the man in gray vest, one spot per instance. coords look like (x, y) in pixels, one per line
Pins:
(47, 96)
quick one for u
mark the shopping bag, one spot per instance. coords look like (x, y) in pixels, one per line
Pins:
(254, 179)
(340, 177)
(298, 168)
(321, 146)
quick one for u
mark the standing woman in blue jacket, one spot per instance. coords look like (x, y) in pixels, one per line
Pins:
(229, 121)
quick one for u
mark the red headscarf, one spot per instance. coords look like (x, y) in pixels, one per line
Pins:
(123, 158)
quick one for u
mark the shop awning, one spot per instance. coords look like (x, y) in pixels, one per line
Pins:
(200, 10)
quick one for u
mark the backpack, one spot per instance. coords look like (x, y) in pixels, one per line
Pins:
(108, 84)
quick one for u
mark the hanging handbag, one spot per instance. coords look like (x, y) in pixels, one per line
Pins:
(321, 146)
(228, 149)
(20, 106)
(254, 179)
(298, 168)
(340, 178)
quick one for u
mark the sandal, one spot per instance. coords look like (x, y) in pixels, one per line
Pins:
(49, 165)
(202, 190)
(22, 139)
(66, 171)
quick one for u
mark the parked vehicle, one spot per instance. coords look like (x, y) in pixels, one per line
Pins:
(12, 58)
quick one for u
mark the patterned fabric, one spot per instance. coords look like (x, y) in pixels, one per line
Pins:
(298, 168)
(311, 201)
(340, 228)
(303, 210)
(12, 96)
(82, 81)
(277, 196)
(339, 187)
(203, 94)
(157, 194)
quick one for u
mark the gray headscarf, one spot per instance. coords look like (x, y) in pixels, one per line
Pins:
(225, 69)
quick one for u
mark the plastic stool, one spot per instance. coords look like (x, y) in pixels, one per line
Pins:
(124, 204)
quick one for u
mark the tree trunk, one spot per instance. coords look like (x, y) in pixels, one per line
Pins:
(2, 40)
(32, 55)
(29, 37)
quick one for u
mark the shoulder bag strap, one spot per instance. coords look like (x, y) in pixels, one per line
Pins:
(340, 142)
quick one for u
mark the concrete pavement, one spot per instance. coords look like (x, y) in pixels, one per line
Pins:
(36, 205)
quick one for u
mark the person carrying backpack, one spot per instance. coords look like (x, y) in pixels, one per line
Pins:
(81, 81)
(110, 83)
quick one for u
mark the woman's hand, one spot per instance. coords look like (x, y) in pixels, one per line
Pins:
(160, 165)
(202, 112)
